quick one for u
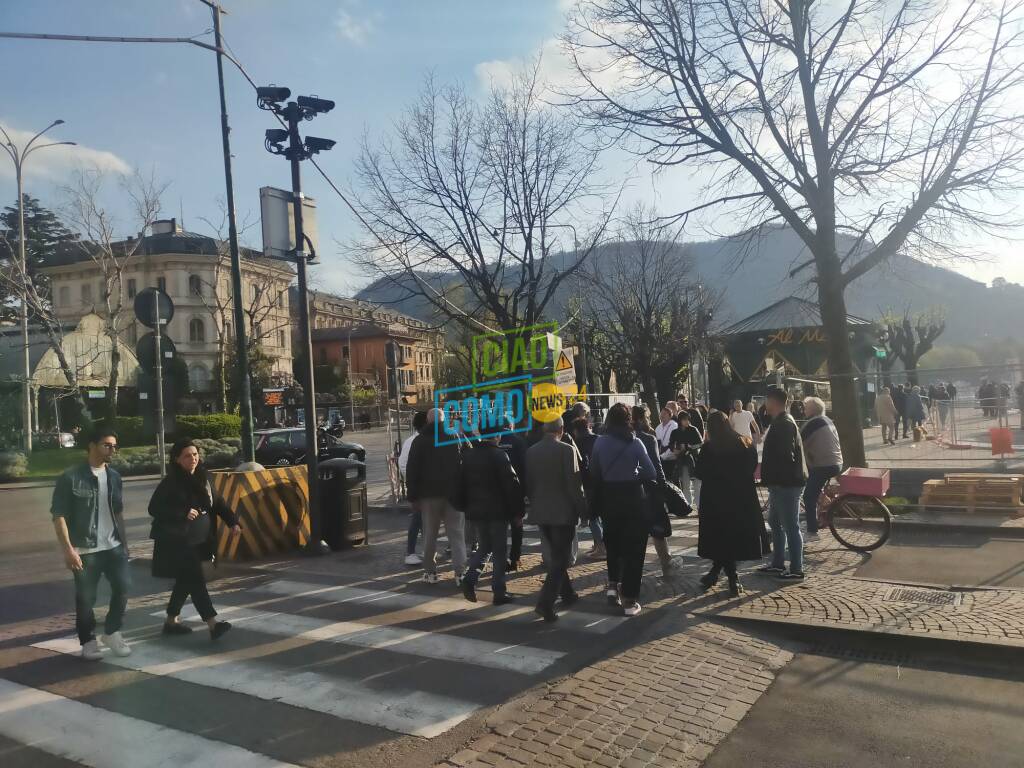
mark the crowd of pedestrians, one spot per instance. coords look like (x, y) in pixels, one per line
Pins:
(624, 483)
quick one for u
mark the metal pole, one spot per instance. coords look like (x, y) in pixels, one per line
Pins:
(26, 386)
(241, 347)
(160, 447)
(351, 384)
(306, 352)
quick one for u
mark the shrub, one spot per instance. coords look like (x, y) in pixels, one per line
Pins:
(130, 432)
(214, 426)
(13, 464)
(897, 504)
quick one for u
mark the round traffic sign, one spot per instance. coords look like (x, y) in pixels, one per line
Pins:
(148, 301)
(145, 350)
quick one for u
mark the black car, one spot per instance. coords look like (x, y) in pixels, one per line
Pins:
(284, 447)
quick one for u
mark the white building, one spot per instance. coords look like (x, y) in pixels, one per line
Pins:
(195, 272)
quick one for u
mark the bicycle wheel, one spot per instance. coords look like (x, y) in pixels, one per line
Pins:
(860, 523)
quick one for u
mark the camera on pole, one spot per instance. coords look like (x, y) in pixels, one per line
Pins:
(287, 142)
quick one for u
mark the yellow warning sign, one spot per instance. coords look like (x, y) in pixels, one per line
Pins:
(564, 363)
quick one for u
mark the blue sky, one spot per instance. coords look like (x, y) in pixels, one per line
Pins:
(155, 106)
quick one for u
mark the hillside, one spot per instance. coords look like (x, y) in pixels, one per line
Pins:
(752, 277)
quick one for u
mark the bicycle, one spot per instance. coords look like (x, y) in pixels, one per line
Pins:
(851, 507)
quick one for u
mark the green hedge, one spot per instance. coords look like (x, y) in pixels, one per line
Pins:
(130, 432)
(216, 454)
(214, 426)
(13, 465)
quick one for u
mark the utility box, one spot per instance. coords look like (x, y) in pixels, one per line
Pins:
(344, 521)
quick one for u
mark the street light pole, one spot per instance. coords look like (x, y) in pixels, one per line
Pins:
(18, 157)
(241, 345)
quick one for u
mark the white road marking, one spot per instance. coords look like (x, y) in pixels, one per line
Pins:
(102, 739)
(432, 645)
(573, 619)
(417, 713)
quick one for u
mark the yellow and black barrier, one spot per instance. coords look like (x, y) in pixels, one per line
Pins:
(272, 507)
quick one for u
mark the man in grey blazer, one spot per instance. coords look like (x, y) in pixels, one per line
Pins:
(555, 488)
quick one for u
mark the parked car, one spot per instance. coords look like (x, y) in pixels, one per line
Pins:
(284, 447)
(55, 439)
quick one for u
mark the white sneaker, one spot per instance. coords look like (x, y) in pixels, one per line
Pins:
(458, 579)
(632, 610)
(413, 559)
(91, 651)
(431, 578)
(117, 644)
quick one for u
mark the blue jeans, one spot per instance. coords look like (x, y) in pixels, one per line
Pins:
(784, 519)
(415, 524)
(817, 479)
(112, 563)
(492, 536)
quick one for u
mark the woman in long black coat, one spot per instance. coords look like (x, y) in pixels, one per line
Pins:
(730, 522)
(182, 508)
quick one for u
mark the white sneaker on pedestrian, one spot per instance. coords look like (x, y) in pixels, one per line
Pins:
(117, 644)
(632, 610)
(91, 651)
(458, 579)
(431, 578)
(413, 559)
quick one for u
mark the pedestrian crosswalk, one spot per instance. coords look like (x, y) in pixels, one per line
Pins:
(408, 660)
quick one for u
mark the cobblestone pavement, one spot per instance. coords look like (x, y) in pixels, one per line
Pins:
(988, 616)
(666, 701)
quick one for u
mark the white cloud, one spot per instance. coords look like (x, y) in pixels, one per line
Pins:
(351, 27)
(56, 163)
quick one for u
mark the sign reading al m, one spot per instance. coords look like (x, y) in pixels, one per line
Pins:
(529, 351)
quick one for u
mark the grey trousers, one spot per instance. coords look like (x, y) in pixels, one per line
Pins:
(434, 511)
(574, 551)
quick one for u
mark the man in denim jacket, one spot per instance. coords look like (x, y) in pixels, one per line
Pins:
(87, 516)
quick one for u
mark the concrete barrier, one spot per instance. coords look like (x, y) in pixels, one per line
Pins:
(272, 507)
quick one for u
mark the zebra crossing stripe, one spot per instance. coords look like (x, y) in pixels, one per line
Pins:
(431, 645)
(103, 739)
(575, 619)
(413, 712)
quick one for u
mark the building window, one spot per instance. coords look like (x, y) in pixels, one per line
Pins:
(86, 293)
(196, 330)
(198, 378)
(132, 333)
(131, 288)
(259, 331)
(195, 285)
(280, 299)
(63, 296)
(254, 292)
(323, 355)
(161, 283)
(280, 339)
(227, 330)
(344, 352)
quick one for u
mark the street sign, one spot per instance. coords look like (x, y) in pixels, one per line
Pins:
(148, 301)
(278, 216)
(145, 350)
(565, 369)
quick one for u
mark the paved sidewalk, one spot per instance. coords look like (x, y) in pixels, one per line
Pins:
(666, 701)
(986, 616)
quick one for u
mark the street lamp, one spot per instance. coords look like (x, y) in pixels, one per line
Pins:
(18, 157)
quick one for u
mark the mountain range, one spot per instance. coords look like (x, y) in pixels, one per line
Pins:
(750, 275)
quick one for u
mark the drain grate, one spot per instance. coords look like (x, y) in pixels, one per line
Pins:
(937, 597)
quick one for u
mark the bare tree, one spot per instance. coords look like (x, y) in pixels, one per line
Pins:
(871, 128)
(480, 193)
(908, 339)
(650, 311)
(95, 225)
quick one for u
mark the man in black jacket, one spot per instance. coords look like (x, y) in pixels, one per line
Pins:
(430, 479)
(87, 517)
(490, 494)
(783, 471)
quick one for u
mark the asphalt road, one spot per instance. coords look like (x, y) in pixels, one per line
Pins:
(865, 703)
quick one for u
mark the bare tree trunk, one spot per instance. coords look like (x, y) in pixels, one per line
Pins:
(845, 402)
(115, 365)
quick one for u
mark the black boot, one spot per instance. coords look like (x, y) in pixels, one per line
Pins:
(735, 588)
(709, 579)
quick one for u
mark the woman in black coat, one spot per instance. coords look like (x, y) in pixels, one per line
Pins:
(730, 522)
(183, 536)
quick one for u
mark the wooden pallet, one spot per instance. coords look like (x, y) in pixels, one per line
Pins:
(976, 492)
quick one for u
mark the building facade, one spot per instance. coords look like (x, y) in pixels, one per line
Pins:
(351, 336)
(194, 270)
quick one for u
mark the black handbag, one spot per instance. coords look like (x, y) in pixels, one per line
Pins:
(674, 500)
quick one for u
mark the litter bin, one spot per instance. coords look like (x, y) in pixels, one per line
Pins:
(343, 518)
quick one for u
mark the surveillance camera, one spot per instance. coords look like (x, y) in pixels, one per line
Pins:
(314, 104)
(315, 144)
(277, 135)
(271, 94)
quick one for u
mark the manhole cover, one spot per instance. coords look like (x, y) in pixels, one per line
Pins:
(926, 596)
